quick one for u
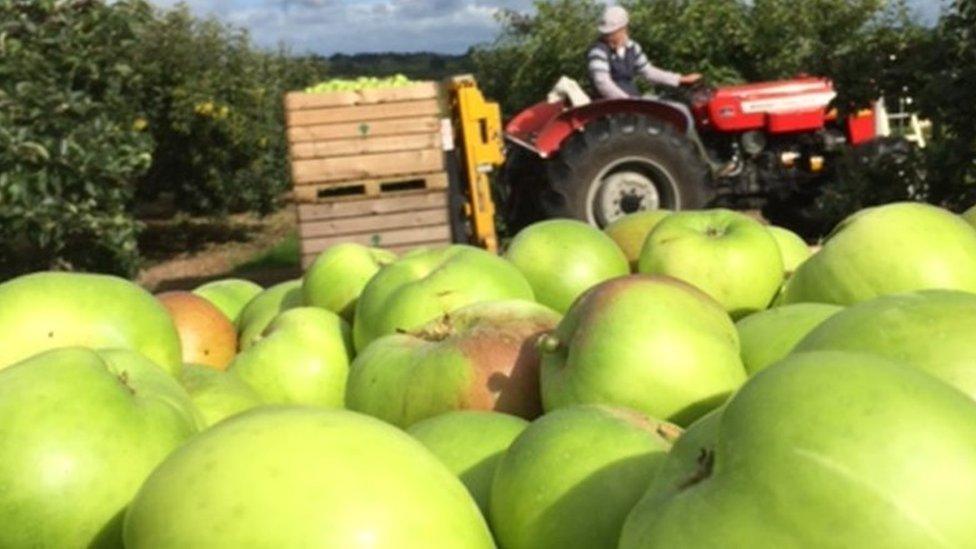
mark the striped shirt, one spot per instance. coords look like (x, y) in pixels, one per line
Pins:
(613, 71)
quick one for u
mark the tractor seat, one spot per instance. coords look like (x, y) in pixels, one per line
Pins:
(569, 91)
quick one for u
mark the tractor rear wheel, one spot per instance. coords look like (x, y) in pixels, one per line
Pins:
(622, 164)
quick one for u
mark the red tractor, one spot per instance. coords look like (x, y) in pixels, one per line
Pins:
(737, 145)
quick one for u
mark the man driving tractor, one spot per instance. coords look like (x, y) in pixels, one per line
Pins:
(615, 61)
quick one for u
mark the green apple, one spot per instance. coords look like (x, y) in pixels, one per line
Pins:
(562, 258)
(302, 358)
(470, 443)
(216, 394)
(49, 310)
(230, 295)
(728, 255)
(631, 230)
(888, 249)
(826, 449)
(934, 330)
(768, 336)
(793, 249)
(304, 477)
(481, 356)
(690, 452)
(338, 275)
(428, 283)
(693, 446)
(970, 216)
(650, 343)
(264, 307)
(80, 433)
(570, 479)
(138, 371)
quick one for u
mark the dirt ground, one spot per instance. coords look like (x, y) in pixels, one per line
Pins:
(184, 252)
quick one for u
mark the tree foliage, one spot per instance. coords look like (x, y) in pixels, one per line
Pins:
(948, 98)
(69, 152)
(213, 107)
(870, 48)
(728, 40)
(533, 51)
(105, 103)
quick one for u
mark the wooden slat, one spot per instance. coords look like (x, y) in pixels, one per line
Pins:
(381, 239)
(363, 113)
(357, 189)
(372, 223)
(364, 145)
(302, 100)
(383, 205)
(345, 130)
(366, 166)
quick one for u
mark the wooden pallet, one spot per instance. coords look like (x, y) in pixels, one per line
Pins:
(355, 189)
(397, 223)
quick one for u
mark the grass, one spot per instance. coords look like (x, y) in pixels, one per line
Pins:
(284, 254)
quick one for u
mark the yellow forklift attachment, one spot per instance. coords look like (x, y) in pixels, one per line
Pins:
(478, 133)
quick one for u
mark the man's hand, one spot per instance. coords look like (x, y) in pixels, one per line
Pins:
(690, 79)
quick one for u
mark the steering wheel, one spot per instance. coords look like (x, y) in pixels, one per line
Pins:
(695, 94)
(700, 92)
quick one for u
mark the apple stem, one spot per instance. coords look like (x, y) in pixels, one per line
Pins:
(669, 432)
(549, 343)
(123, 378)
(706, 462)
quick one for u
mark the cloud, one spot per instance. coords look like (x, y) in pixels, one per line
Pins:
(329, 26)
(424, 9)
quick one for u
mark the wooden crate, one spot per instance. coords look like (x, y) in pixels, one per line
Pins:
(398, 222)
(364, 139)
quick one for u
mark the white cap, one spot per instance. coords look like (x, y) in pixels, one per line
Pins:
(614, 18)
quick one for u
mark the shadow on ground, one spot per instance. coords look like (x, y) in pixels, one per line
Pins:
(162, 240)
(180, 253)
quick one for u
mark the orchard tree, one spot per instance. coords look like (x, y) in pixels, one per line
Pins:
(104, 103)
(727, 40)
(70, 142)
(949, 100)
(708, 36)
(214, 109)
(533, 51)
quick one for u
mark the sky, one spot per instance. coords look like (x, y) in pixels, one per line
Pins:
(352, 26)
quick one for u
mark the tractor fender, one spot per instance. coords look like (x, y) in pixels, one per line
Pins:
(544, 127)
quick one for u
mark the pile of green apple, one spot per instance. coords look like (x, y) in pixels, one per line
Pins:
(360, 83)
(679, 379)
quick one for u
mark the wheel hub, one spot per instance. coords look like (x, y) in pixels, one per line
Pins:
(622, 193)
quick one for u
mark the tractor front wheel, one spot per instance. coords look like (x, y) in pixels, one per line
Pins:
(623, 164)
